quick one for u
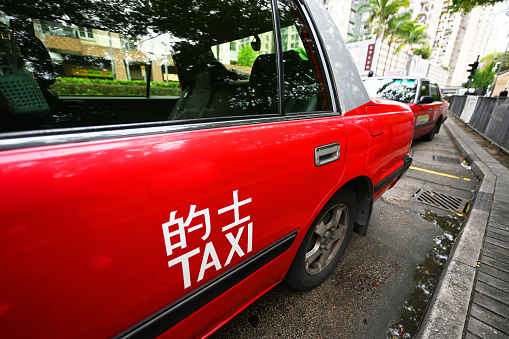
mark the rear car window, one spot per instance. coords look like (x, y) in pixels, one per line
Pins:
(305, 90)
(424, 89)
(402, 90)
(435, 92)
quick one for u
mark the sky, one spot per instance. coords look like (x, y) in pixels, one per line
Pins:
(502, 25)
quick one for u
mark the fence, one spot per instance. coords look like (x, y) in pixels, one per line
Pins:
(488, 116)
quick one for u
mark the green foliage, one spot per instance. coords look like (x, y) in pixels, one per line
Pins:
(103, 87)
(424, 52)
(412, 34)
(484, 77)
(117, 82)
(466, 6)
(246, 56)
(396, 25)
(497, 57)
(380, 13)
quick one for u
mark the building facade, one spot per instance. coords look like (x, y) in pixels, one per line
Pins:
(455, 38)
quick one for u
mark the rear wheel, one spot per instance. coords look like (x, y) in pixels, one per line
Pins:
(324, 243)
(431, 134)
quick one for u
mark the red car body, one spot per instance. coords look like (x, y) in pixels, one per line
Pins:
(424, 98)
(173, 228)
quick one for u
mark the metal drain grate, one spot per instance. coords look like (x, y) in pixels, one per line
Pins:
(441, 200)
(447, 160)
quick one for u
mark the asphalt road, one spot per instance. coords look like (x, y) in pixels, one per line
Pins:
(382, 284)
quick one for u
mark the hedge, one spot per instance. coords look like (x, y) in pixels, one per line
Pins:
(98, 87)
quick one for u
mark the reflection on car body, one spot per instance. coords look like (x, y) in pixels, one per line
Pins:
(166, 163)
(423, 96)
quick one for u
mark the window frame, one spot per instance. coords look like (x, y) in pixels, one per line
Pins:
(322, 59)
(87, 31)
(58, 136)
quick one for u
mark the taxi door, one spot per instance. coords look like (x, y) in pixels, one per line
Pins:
(423, 112)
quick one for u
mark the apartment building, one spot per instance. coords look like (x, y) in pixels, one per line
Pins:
(92, 53)
(456, 39)
(342, 13)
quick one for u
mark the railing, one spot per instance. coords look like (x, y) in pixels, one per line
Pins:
(490, 117)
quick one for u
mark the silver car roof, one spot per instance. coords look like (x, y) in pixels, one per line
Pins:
(350, 89)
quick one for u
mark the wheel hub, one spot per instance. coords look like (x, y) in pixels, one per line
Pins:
(327, 239)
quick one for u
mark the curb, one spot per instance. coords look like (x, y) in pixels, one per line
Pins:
(448, 310)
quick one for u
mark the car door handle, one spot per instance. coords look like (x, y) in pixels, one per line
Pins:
(326, 154)
(429, 110)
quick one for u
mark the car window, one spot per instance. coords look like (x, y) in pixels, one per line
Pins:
(424, 89)
(435, 92)
(304, 87)
(194, 60)
(402, 90)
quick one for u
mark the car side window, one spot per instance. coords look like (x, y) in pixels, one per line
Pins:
(435, 92)
(424, 89)
(205, 60)
(304, 85)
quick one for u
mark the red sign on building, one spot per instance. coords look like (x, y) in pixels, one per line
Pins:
(369, 57)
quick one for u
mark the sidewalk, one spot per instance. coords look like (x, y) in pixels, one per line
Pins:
(472, 297)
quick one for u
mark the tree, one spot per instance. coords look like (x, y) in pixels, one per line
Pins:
(484, 77)
(246, 56)
(425, 51)
(380, 13)
(394, 27)
(497, 57)
(466, 6)
(412, 34)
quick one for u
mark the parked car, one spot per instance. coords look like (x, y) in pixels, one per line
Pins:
(165, 163)
(422, 95)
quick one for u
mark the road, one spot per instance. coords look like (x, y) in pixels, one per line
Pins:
(383, 281)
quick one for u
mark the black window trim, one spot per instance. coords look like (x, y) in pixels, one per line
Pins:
(279, 57)
(324, 61)
(323, 64)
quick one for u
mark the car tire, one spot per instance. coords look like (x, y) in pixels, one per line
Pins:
(324, 243)
(438, 126)
(431, 134)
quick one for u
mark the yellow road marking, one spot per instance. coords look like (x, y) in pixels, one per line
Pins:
(438, 173)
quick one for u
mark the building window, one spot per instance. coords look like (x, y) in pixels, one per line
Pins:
(85, 32)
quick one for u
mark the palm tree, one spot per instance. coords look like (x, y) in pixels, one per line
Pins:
(412, 34)
(394, 28)
(380, 13)
(425, 51)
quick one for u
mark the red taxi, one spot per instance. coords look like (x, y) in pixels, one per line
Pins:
(423, 96)
(165, 163)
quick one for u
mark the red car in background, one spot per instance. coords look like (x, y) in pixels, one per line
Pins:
(422, 95)
(165, 163)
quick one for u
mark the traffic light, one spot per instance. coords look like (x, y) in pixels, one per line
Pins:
(473, 70)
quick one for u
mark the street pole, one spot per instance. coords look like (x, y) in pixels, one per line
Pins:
(498, 72)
